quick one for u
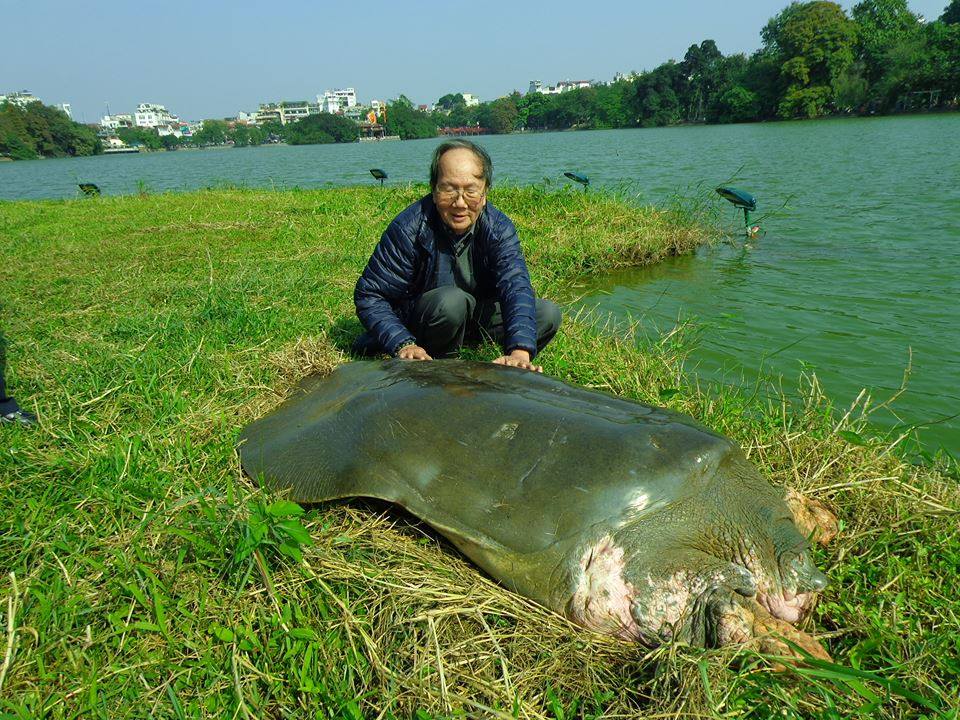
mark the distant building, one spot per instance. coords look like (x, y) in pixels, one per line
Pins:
(561, 87)
(115, 122)
(22, 98)
(470, 100)
(66, 109)
(150, 115)
(267, 112)
(337, 101)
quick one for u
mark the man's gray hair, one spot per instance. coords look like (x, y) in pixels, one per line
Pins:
(455, 144)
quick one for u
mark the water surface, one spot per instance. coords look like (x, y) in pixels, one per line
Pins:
(856, 278)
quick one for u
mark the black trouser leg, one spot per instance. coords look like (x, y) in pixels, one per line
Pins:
(547, 313)
(7, 404)
(439, 320)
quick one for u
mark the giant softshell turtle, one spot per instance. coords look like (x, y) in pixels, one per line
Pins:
(628, 519)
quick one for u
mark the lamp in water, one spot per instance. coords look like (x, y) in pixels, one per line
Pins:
(379, 175)
(89, 189)
(578, 178)
(741, 199)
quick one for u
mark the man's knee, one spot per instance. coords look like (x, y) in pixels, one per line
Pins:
(444, 307)
(549, 318)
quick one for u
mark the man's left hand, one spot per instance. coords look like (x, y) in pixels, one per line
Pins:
(518, 359)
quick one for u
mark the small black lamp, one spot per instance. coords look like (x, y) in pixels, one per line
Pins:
(89, 189)
(579, 178)
(379, 175)
(741, 199)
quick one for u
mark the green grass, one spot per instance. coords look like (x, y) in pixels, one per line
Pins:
(148, 577)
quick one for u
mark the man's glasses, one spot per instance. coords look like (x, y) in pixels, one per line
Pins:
(450, 194)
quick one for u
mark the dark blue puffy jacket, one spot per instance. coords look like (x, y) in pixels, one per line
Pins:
(404, 261)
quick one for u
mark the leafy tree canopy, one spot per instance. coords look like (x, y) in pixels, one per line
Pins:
(40, 130)
(951, 14)
(321, 128)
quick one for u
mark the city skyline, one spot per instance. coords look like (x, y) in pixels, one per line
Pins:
(228, 57)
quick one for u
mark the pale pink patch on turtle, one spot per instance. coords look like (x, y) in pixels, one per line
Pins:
(602, 599)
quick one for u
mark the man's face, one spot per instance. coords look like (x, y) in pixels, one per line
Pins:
(461, 191)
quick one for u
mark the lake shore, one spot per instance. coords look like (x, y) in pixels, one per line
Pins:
(148, 329)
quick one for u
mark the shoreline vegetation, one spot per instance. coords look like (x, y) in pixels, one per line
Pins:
(144, 574)
(815, 61)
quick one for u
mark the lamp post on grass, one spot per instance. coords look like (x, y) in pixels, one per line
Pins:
(379, 175)
(578, 178)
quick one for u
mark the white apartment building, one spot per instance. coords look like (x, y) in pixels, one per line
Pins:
(563, 86)
(22, 98)
(150, 115)
(470, 100)
(337, 100)
(66, 109)
(115, 122)
(291, 112)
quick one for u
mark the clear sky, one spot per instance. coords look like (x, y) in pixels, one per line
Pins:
(214, 58)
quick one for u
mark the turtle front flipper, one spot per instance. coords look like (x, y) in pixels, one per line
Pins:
(723, 616)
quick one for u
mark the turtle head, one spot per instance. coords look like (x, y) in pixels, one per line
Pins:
(746, 522)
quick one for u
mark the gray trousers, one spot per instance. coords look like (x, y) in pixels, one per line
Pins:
(446, 318)
(7, 405)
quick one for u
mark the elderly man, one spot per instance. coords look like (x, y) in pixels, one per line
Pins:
(449, 270)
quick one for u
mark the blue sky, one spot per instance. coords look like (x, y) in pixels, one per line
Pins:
(214, 58)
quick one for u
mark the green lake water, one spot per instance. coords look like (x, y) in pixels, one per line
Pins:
(856, 278)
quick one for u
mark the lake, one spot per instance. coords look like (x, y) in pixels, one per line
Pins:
(856, 277)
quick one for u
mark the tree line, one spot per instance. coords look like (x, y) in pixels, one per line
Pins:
(815, 60)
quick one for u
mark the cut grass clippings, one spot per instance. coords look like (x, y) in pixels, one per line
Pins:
(144, 576)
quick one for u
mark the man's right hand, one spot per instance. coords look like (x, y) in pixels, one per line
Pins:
(413, 352)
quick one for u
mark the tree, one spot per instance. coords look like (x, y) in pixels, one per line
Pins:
(213, 132)
(531, 111)
(244, 135)
(951, 13)
(881, 24)
(851, 90)
(736, 104)
(170, 142)
(815, 42)
(147, 137)
(451, 101)
(701, 69)
(42, 130)
(408, 122)
(320, 129)
(499, 116)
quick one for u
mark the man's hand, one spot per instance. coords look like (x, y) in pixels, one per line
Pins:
(413, 352)
(518, 359)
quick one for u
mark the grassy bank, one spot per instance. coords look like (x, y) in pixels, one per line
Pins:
(144, 572)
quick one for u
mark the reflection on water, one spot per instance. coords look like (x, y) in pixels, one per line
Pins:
(857, 277)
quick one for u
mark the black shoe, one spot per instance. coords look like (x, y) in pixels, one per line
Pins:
(21, 417)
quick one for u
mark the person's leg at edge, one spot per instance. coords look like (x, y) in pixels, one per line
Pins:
(547, 314)
(9, 410)
(439, 320)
